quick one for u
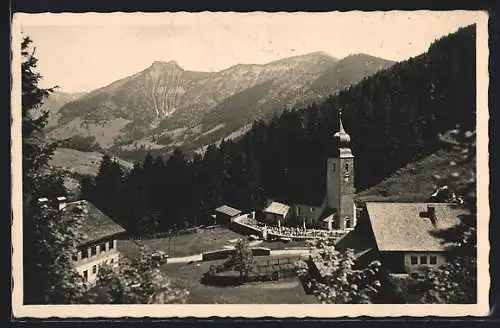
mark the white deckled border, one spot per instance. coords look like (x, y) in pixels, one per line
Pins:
(251, 310)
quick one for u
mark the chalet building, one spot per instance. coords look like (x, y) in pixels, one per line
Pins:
(334, 207)
(277, 213)
(406, 236)
(224, 214)
(99, 237)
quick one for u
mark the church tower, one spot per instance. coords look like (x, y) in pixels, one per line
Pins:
(340, 181)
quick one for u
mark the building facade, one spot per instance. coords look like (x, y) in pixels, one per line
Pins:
(225, 214)
(92, 256)
(406, 236)
(100, 233)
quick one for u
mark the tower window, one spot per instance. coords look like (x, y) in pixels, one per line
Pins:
(333, 167)
(346, 166)
(347, 222)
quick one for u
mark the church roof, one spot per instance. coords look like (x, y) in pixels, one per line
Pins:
(406, 226)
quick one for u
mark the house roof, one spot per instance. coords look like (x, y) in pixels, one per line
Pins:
(95, 225)
(228, 210)
(277, 208)
(406, 227)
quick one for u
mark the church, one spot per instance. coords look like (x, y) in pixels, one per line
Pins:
(334, 211)
(404, 236)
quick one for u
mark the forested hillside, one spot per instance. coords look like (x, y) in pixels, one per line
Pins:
(394, 118)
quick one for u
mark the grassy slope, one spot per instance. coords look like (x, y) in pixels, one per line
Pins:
(79, 162)
(414, 183)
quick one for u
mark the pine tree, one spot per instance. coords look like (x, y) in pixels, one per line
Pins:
(107, 186)
(49, 237)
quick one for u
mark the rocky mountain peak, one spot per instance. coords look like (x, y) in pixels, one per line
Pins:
(157, 64)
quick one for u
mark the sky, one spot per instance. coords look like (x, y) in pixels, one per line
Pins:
(82, 52)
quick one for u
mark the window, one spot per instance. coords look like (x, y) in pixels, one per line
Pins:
(347, 166)
(347, 222)
(346, 177)
(433, 260)
(413, 260)
(311, 210)
(75, 257)
(93, 251)
(112, 261)
(333, 167)
(423, 259)
(102, 248)
(111, 244)
(94, 268)
(85, 275)
(85, 254)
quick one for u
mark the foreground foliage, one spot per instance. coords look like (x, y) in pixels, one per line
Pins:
(337, 281)
(135, 282)
(49, 238)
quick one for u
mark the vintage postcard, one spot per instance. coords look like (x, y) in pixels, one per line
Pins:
(250, 164)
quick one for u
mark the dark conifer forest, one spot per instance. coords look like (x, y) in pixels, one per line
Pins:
(394, 117)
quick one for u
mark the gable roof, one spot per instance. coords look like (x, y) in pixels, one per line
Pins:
(405, 227)
(95, 225)
(277, 208)
(228, 210)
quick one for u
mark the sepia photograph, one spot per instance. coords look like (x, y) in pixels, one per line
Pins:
(250, 164)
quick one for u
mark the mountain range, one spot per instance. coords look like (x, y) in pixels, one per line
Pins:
(165, 106)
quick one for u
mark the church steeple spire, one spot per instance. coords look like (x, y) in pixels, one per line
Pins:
(342, 138)
(341, 127)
